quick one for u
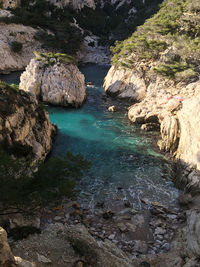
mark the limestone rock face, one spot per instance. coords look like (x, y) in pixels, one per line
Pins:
(178, 117)
(189, 142)
(124, 84)
(91, 52)
(10, 60)
(25, 128)
(11, 3)
(76, 4)
(6, 257)
(58, 84)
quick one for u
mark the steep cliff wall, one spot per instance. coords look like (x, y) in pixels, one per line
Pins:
(163, 76)
(76, 4)
(25, 129)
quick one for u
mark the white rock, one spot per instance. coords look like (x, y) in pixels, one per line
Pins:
(124, 83)
(43, 259)
(57, 84)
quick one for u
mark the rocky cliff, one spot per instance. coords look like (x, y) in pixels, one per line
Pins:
(17, 43)
(10, 3)
(76, 4)
(25, 129)
(55, 79)
(162, 76)
(7, 259)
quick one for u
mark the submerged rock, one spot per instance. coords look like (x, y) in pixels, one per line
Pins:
(55, 79)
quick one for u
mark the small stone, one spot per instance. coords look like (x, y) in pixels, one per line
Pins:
(122, 227)
(111, 237)
(112, 108)
(166, 246)
(79, 264)
(145, 201)
(185, 199)
(108, 215)
(76, 205)
(57, 218)
(159, 237)
(43, 259)
(141, 246)
(127, 204)
(159, 231)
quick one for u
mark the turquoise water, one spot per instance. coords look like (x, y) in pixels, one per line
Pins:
(125, 163)
(121, 156)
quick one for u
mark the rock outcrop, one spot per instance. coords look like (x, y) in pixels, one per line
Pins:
(10, 35)
(125, 84)
(25, 129)
(11, 3)
(91, 52)
(6, 257)
(76, 4)
(55, 82)
(178, 116)
(76, 245)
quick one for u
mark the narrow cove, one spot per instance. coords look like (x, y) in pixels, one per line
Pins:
(127, 196)
(125, 164)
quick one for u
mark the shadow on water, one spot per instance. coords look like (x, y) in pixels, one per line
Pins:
(120, 156)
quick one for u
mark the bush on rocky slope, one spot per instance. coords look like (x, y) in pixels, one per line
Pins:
(22, 187)
(171, 39)
(110, 22)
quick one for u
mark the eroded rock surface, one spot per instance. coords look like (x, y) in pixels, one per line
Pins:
(125, 84)
(9, 59)
(55, 83)
(6, 257)
(76, 245)
(25, 128)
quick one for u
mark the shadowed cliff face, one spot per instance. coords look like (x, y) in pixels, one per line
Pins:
(25, 129)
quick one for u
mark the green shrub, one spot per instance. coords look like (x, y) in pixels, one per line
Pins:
(172, 68)
(22, 186)
(16, 46)
(175, 27)
(51, 58)
(19, 233)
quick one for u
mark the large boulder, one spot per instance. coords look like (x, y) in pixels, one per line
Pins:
(54, 79)
(125, 84)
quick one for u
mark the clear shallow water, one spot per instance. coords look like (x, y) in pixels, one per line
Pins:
(120, 156)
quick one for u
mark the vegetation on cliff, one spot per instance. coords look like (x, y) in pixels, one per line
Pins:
(170, 39)
(23, 188)
(51, 58)
(108, 22)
